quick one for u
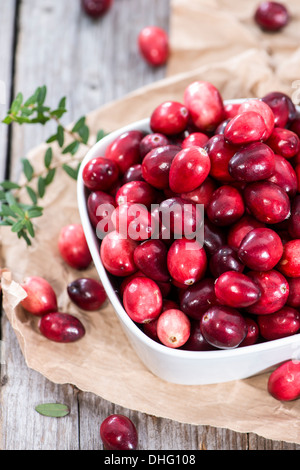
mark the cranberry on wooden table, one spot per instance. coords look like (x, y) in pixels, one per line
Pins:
(142, 299)
(272, 16)
(173, 328)
(153, 43)
(118, 432)
(73, 246)
(87, 293)
(61, 327)
(41, 297)
(284, 381)
(96, 8)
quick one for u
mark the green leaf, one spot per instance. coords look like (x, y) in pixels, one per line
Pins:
(41, 95)
(7, 120)
(17, 210)
(48, 157)
(51, 139)
(79, 124)
(60, 135)
(100, 135)
(35, 212)
(84, 133)
(6, 211)
(72, 148)
(31, 194)
(23, 234)
(27, 169)
(72, 172)
(29, 227)
(32, 99)
(19, 225)
(41, 186)
(9, 185)
(62, 102)
(50, 176)
(16, 104)
(53, 410)
(11, 200)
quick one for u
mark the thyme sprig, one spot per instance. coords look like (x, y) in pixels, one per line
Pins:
(15, 213)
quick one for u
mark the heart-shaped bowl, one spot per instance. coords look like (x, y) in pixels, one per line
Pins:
(177, 365)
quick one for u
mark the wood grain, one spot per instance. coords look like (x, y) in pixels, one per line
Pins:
(92, 63)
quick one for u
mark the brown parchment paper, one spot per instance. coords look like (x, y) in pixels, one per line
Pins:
(103, 362)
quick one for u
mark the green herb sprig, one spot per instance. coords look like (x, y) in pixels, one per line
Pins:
(13, 212)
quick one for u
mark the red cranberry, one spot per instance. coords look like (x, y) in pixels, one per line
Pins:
(253, 162)
(73, 247)
(282, 106)
(236, 290)
(117, 254)
(294, 292)
(271, 16)
(153, 44)
(41, 297)
(137, 192)
(261, 249)
(179, 217)
(220, 153)
(118, 432)
(265, 112)
(126, 280)
(156, 165)
(134, 173)
(196, 341)
(225, 259)
(252, 332)
(294, 221)
(226, 206)
(231, 110)
(152, 141)
(189, 169)
(284, 176)
(274, 291)
(289, 264)
(133, 221)
(169, 118)
(284, 381)
(197, 298)
(284, 142)
(100, 208)
(150, 329)
(223, 327)
(151, 258)
(267, 202)
(100, 174)
(240, 229)
(173, 328)
(187, 261)
(125, 150)
(61, 327)
(87, 293)
(245, 128)
(221, 127)
(142, 299)
(196, 139)
(96, 8)
(284, 322)
(202, 194)
(205, 105)
(214, 237)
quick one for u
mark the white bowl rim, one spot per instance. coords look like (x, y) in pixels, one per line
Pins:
(113, 297)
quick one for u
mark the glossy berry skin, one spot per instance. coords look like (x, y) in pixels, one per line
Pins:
(197, 298)
(220, 153)
(236, 290)
(205, 105)
(153, 43)
(73, 247)
(284, 381)
(274, 291)
(96, 8)
(179, 217)
(252, 333)
(202, 194)
(187, 261)
(133, 221)
(245, 128)
(152, 141)
(284, 142)
(261, 249)
(264, 110)
(196, 340)
(223, 327)
(214, 237)
(189, 169)
(272, 16)
(253, 162)
(116, 254)
(151, 258)
(173, 328)
(156, 165)
(87, 293)
(226, 206)
(136, 192)
(100, 206)
(142, 300)
(225, 259)
(267, 202)
(134, 173)
(282, 106)
(61, 327)
(294, 292)
(125, 150)
(118, 432)
(289, 264)
(195, 139)
(240, 229)
(100, 174)
(41, 297)
(169, 118)
(294, 220)
(284, 322)
(284, 176)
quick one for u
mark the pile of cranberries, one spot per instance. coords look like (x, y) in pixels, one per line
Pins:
(229, 172)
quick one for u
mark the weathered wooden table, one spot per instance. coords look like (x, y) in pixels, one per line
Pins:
(91, 62)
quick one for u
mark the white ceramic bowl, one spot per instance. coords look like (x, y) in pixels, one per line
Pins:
(172, 365)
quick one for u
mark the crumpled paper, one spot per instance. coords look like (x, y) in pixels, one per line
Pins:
(211, 40)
